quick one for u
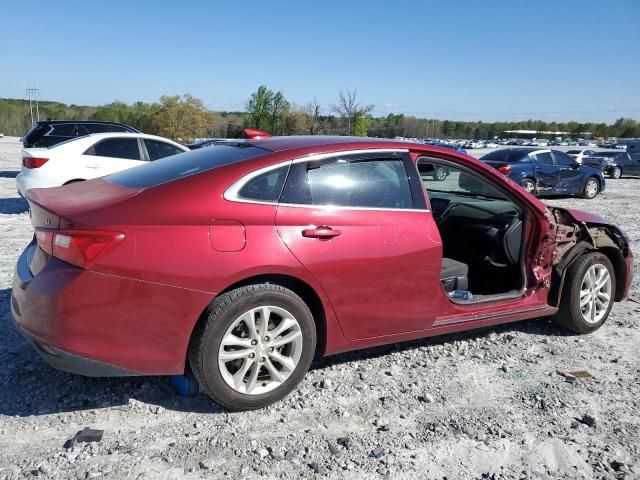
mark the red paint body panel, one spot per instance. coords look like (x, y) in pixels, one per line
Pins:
(378, 281)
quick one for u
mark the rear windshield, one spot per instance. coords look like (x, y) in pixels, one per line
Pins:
(183, 165)
(506, 156)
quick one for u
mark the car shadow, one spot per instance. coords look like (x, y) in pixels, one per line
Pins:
(538, 326)
(38, 389)
(9, 206)
(9, 173)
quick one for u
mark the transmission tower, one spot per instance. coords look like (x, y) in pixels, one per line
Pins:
(33, 94)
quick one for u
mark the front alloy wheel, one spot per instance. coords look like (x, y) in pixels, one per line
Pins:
(587, 294)
(440, 174)
(591, 188)
(595, 293)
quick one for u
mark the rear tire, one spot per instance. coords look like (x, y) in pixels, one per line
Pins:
(584, 307)
(238, 365)
(616, 173)
(591, 188)
(529, 185)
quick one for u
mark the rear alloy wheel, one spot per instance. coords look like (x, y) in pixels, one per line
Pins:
(528, 185)
(591, 189)
(616, 172)
(440, 174)
(254, 347)
(588, 294)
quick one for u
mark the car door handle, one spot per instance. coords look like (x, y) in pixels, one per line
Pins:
(321, 232)
(93, 165)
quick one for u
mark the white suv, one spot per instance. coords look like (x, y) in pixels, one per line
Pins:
(89, 157)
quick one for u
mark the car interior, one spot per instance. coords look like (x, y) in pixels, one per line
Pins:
(482, 232)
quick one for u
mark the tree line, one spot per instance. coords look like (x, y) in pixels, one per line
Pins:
(184, 118)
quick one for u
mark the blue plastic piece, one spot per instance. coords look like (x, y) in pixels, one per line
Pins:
(185, 385)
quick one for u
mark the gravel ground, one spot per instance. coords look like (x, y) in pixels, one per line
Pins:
(484, 404)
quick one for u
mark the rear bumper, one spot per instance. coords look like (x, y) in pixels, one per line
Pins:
(72, 363)
(96, 324)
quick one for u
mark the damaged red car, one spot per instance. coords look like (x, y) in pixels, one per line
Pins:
(243, 261)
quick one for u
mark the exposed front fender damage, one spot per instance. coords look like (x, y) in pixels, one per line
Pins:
(578, 232)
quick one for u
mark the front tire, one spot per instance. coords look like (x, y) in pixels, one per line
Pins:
(591, 189)
(254, 346)
(440, 174)
(587, 294)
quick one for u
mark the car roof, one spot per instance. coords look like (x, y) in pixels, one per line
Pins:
(294, 142)
(99, 122)
(128, 134)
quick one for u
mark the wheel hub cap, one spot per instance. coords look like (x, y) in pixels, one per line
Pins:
(595, 293)
(260, 350)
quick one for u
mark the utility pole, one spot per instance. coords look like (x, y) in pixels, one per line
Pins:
(33, 94)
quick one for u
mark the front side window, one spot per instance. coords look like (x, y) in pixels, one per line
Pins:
(116, 148)
(545, 158)
(369, 183)
(438, 177)
(157, 149)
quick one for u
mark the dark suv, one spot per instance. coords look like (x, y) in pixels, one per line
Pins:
(47, 133)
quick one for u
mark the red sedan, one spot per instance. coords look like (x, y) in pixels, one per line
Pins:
(242, 261)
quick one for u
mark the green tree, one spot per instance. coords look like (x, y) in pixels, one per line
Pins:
(181, 117)
(259, 107)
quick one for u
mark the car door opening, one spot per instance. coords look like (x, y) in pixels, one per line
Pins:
(482, 232)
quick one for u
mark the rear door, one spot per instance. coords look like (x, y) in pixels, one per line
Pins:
(111, 155)
(359, 223)
(570, 178)
(545, 170)
(628, 164)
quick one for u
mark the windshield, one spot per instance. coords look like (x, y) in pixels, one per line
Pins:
(183, 165)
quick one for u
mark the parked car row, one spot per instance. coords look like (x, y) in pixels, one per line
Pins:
(242, 261)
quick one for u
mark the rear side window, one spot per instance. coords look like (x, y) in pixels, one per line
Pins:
(506, 156)
(266, 187)
(62, 130)
(544, 158)
(184, 165)
(379, 183)
(157, 149)
(563, 159)
(80, 131)
(116, 148)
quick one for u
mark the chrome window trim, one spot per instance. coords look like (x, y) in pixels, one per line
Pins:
(231, 194)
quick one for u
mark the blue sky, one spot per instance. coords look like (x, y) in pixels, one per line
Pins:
(467, 60)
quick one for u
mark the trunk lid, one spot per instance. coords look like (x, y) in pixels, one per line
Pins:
(55, 207)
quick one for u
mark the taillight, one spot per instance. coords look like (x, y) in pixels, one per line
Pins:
(33, 162)
(77, 247)
(506, 169)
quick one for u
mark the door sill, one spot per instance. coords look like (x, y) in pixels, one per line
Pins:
(463, 318)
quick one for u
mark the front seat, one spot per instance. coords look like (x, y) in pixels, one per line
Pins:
(454, 275)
